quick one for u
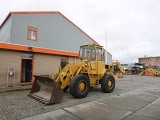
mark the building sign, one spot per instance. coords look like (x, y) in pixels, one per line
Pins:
(27, 55)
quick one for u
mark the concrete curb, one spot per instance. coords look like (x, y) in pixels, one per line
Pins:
(15, 88)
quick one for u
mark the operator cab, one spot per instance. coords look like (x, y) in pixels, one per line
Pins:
(91, 53)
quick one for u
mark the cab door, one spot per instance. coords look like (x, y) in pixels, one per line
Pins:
(100, 61)
(92, 59)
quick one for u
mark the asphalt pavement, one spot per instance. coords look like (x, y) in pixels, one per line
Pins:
(134, 98)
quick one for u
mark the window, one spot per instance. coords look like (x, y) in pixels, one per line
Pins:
(99, 54)
(64, 62)
(92, 56)
(32, 33)
(87, 53)
(84, 53)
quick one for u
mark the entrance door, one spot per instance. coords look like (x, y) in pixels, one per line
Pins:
(26, 70)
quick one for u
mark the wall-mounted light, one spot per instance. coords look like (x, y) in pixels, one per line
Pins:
(30, 48)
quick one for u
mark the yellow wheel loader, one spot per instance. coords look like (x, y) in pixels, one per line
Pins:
(89, 71)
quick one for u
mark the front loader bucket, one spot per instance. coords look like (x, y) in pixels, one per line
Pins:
(46, 90)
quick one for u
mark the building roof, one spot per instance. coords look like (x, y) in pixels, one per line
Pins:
(44, 12)
(24, 48)
(149, 57)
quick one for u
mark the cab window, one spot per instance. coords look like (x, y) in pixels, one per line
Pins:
(84, 53)
(99, 54)
(92, 56)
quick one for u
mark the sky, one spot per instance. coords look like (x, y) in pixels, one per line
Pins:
(128, 29)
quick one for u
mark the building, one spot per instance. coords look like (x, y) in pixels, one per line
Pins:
(150, 61)
(35, 43)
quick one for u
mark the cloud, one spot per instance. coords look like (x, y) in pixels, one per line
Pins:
(132, 25)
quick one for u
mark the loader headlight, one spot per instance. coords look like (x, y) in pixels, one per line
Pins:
(86, 66)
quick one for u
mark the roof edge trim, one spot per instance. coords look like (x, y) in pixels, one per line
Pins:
(33, 49)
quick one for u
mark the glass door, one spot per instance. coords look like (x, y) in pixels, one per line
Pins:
(27, 67)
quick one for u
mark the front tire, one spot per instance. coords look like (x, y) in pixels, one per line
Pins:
(108, 83)
(79, 86)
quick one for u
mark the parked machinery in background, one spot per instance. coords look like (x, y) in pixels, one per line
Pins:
(133, 68)
(137, 68)
(151, 71)
(117, 69)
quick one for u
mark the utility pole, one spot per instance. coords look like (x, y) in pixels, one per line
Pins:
(105, 46)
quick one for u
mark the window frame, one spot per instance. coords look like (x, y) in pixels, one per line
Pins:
(32, 29)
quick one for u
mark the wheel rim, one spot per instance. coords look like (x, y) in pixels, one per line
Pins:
(110, 83)
(81, 86)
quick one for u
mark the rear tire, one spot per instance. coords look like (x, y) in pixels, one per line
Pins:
(108, 83)
(79, 86)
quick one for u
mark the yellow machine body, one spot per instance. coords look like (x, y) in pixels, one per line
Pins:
(89, 71)
(117, 69)
(150, 71)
